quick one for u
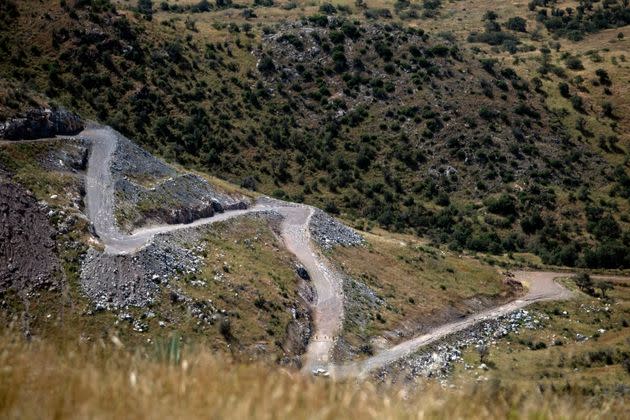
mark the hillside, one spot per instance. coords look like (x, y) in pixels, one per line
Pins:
(232, 285)
(386, 122)
(274, 208)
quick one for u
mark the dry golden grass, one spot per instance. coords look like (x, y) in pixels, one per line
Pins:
(105, 382)
(420, 285)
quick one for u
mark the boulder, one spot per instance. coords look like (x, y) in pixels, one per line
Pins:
(41, 123)
(513, 284)
(302, 273)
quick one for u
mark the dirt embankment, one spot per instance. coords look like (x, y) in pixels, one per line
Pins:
(27, 241)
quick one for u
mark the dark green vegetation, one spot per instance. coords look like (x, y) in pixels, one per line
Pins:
(587, 17)
(378, 122)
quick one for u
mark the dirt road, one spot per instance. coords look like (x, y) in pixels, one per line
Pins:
(328, 311)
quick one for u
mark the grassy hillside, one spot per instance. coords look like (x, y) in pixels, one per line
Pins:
(437, 119)
(245, 298)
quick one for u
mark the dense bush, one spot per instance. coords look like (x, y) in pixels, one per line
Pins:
(516, 24)
(504, 205)
(574, 63)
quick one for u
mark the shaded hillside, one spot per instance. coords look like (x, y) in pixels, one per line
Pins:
(381, 123)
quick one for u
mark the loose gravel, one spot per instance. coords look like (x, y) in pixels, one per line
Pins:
(328, 232)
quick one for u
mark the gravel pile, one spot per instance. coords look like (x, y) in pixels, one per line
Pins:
(118, 281)
(328, 232)
(437, 361)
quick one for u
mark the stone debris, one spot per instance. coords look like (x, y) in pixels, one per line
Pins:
(117, 281)
(328, 232)
(438, 360)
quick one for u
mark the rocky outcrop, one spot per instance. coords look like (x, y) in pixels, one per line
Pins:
(41, 123)
(133, 162)
(178, 199)
(151, 192)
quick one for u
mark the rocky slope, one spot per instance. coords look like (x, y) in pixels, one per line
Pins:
(151, 192)
(27, 241)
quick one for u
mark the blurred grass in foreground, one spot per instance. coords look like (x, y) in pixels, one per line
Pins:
(105, 380)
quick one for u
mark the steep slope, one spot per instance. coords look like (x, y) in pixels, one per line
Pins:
(381, 123)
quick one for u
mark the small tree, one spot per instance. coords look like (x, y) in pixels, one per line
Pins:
(146, 8)
(584, 282)
(517, 24)
(327, 9)
(490, 15)
(604, 286)
(574, 63)
(603, 76)
(266, 65)
(578, 103)
(607, 109)
(202, 6)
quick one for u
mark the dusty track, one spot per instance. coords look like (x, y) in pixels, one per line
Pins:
(541, 287)
(328, 308)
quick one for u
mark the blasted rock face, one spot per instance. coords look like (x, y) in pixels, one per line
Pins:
(27, 248)
(41, 123)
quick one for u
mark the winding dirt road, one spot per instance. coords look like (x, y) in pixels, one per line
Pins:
(100, 197)
(328, 308)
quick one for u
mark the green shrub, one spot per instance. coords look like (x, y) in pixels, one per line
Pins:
(574, 63)
(327, 9)
(383, 51)
(504, 205)
(516, 24)
(564, 89)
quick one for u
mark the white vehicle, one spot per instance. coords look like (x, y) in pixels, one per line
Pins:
(320, 372)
